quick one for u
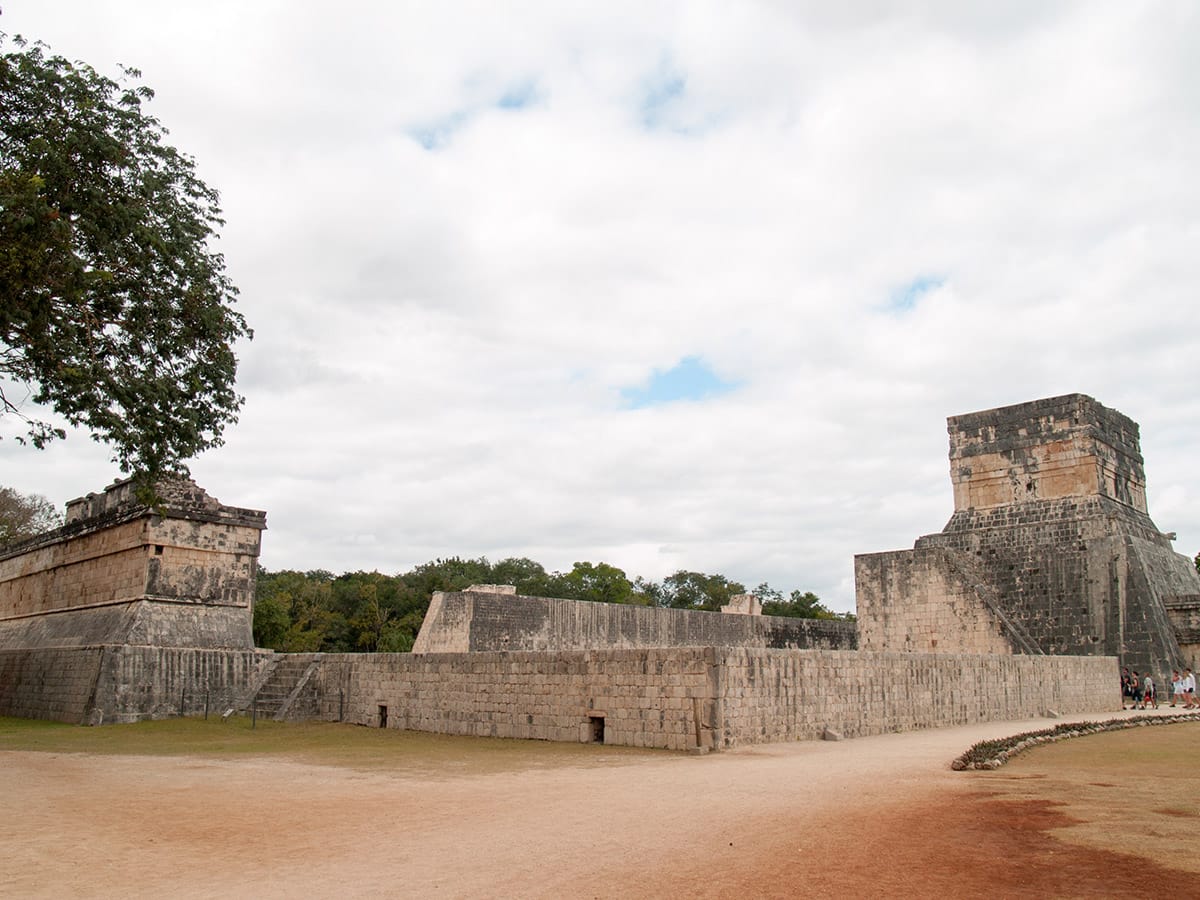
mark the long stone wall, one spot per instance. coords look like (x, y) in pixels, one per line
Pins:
(697, 697)
(477, 621)
(784, 696)
(645, 698)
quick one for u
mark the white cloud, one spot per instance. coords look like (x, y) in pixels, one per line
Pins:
(443, 332)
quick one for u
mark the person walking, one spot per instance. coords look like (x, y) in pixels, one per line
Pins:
(1189, 689)
(1176, 688)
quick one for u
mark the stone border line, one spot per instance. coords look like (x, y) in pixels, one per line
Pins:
(994, 754)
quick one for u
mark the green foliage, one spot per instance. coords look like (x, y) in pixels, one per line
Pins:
(601, 583)
(695, 590)
(24, 515)
(1197, 562)
(806, 605)
(114, 311)
(271, 622)
(375, 613)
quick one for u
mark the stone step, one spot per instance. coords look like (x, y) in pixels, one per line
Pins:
(288, 671)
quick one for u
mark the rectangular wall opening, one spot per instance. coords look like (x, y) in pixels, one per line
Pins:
(596, 729)
(382, 716)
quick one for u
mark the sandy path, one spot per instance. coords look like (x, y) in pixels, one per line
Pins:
(813, 818)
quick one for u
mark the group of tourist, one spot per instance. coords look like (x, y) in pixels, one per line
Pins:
(1138, 692)
(1183, 689)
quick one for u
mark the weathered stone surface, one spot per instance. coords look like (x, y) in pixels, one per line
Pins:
(706, 697)
(1050, 548)
(122, 683)
(1183, 611)
(128, 612)
(471, 621)
(181, 575)
(743, 605)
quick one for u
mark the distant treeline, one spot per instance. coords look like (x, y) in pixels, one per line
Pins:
(371, 612)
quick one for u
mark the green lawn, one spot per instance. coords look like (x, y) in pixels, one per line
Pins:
(321, 743)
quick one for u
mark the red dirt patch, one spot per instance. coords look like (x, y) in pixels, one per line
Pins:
(973, 845)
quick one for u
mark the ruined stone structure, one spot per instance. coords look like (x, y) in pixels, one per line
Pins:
(1048, 571)
(1050, 549)
(481, 619)
(127, 611)
(743, 605)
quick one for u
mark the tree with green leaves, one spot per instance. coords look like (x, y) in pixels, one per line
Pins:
(369, 611)
(696, 590)
(23, 516)
(798, 605)
(599, 583)
(115, 312)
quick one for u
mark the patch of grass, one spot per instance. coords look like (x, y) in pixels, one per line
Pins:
(318, 743)
(1168, 752)
(995, 753)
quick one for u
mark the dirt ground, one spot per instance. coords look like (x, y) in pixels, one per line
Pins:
(1112, 815)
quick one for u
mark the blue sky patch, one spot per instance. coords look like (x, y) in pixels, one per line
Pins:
(518, 96)
(690, 379)
(660, 91)
(906, 297)
(436, 134)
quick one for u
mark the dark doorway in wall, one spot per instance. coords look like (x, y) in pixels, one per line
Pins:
(382, 716)
(596, 729)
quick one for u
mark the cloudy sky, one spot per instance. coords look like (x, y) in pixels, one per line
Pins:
(667, 285)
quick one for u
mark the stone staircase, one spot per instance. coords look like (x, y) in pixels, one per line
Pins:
(284, 688)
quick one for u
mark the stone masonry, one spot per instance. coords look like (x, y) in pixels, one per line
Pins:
(687, 698)
(1050, 550)
(127, 610)
(130, 612)
(483, 619)
(1184, 612)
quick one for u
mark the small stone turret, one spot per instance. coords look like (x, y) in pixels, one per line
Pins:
(180, 573)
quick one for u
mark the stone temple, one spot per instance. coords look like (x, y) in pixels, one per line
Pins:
(1049, 575)
(1050, 550)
